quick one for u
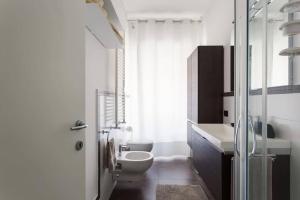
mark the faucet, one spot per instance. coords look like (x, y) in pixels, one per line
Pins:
(123, 148)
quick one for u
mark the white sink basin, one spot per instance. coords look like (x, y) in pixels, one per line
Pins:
(135, 162)
(222, 136)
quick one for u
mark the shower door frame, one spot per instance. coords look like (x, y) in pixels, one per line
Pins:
(242, 153)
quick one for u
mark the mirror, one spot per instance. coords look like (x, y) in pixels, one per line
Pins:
(278, 66)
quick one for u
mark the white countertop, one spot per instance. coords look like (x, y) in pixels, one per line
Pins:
(222, 136)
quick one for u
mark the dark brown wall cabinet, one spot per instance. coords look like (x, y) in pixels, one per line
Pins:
(206, 84)
(205, 69)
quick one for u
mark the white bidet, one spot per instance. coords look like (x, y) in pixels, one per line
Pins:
(134, 164)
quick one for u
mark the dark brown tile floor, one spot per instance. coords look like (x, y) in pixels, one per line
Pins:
(172, 170)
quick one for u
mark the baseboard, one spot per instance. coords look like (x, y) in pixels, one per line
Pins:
(106, 195)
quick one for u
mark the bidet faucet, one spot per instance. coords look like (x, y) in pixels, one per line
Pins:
(123, 148)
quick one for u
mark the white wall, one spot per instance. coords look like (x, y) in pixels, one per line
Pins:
(96, 77)
(100, 74)
(218, 23)
(218, 29)
(227, 68)
(228, 104)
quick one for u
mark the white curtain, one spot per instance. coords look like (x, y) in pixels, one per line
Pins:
(156, 78)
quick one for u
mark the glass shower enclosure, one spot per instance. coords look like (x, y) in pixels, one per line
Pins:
(262, 47)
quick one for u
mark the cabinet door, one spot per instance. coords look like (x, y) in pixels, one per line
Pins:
(210, 85)
(195, 86)
(189, 88)
(189, 134)
(208, 162)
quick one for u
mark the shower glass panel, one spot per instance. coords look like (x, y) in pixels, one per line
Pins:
(255, 52)
(278, 70)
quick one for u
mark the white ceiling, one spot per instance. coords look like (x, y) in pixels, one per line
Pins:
(187, 8)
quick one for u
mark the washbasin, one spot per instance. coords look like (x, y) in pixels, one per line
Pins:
(135, 162)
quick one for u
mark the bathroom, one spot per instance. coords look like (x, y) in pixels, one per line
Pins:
(145, 100)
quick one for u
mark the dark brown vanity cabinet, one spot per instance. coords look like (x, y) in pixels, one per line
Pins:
(189, 134)
(205, 86)
(213, 166)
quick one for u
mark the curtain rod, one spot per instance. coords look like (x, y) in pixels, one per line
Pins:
(164, 20)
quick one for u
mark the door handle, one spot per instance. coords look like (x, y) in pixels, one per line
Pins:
(235, 137)
(79, 125)
(254, 138)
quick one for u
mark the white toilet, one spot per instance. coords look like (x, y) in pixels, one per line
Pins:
(140, 145)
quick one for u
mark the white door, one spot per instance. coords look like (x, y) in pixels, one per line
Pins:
(42, 94)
